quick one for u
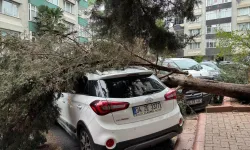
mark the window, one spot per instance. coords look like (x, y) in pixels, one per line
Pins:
(211, 15)
(244, 26)
(216, 14)
(194, 32)
(186, 64)
(55, 2)
(197, 20)
(69, 26)
(194, 45)
(9, 8)
(212, 29)
(211, 43)
(223, 13)
(225, 27)
(127, 87)
(243, 11)
(68, 6)
(32, 12)
(178, 20)
(216, 2)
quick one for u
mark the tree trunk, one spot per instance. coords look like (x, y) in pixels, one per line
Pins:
(209, 86)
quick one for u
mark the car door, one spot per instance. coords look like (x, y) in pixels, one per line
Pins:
(62, 103)
(80, 101)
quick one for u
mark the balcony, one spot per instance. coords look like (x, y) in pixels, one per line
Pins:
(194, 26)
(193, 52)
(11, 23)
(244, 3)
(242, 19)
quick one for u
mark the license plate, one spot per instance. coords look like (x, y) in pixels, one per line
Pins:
(193, 102)
(146, 109)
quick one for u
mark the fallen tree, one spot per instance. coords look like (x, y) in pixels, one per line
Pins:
(208, 86)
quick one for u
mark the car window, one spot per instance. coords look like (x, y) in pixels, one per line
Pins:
(187, 64)
(211, 65)
(170, 65)
(207, 67)
(92, 88)
(131, 86)
(80, 85)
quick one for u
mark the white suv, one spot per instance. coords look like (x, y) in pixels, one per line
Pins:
(121, 109)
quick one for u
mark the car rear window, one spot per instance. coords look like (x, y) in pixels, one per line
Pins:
(131, 86)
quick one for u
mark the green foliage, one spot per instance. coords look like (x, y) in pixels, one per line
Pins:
(198, 58)
(30, 74)
(49, 20)
(234, 73)
(133, 19)
(235, 44)
(160, 23)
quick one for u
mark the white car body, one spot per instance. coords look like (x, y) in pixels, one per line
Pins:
(123, 127)
(195, 73)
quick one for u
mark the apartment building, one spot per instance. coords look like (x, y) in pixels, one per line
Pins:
(17, 16)
(212, 15)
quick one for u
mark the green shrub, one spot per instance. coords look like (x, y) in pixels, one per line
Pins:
(234, 73)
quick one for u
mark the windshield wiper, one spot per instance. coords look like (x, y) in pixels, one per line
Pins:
(151, 91)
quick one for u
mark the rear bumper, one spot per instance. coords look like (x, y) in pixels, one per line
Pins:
(205, 101)
(146, 141)
(101, 131)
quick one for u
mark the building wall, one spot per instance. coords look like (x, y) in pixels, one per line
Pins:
(23, 25)
(17, 24)
(234, 19)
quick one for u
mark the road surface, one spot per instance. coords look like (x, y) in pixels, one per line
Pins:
(69, 143)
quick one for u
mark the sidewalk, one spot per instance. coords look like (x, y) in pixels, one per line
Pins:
(226, 131)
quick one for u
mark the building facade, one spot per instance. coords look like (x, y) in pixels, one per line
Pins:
(227, 15)
(17, 16)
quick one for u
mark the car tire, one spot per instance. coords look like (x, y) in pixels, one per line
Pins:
(85, 139)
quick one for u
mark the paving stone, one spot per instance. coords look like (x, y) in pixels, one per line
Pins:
(227, 131)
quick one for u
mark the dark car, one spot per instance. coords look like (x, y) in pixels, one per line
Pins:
(195, 99)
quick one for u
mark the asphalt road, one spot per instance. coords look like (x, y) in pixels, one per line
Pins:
(69, 143)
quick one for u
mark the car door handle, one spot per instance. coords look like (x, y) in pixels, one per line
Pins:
(79, 106)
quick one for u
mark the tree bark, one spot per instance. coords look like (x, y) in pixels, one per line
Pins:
(209, 86)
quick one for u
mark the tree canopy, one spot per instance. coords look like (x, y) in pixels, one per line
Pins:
(131, 19)
(235, 44)
(49, 20)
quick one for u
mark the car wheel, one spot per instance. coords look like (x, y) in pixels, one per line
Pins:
(86, 141)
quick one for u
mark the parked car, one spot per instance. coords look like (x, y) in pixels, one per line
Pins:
(186, 64)
(211, 64)
(195, 99)
(120, 109)
(212, 72)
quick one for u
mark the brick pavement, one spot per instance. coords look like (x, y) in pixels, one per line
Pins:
(227, 131)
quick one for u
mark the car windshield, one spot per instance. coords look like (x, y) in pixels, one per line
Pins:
(187, 64)
(207, 68)
(212, 65)
(131, 86)
(170, 65)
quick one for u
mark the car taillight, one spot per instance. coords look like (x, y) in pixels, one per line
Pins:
(103, 107)
(170, 95)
